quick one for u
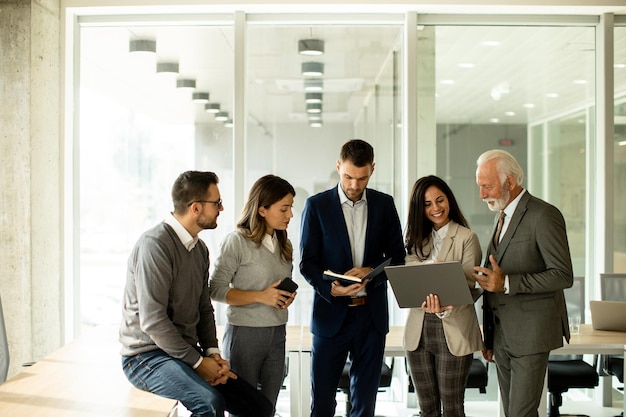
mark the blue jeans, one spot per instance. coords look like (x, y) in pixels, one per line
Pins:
(159, 373)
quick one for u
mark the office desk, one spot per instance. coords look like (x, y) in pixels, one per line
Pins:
(589, 341)
(84, 378)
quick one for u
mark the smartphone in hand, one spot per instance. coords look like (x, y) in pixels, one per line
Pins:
(287, 284)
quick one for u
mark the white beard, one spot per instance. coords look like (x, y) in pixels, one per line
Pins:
(498, 203)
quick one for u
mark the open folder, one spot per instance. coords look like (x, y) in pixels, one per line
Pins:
(349, 279)
(411, 284)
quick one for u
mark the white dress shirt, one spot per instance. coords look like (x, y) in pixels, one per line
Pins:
(508, 211)
(355, 216)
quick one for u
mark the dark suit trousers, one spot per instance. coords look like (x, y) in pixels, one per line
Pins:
(366, 347)
(521, 378)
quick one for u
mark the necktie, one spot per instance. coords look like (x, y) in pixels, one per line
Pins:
(496, 236)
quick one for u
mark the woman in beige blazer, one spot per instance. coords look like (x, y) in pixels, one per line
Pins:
(440, 340)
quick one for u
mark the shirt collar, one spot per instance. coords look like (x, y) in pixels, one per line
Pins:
(442, 232)
(343, 199)
(510, 209)
(269, 242)
(188, 241)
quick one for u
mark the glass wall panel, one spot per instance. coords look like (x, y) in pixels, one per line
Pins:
(358, 87)
(536, 156)
(138, 132)
(619, 191)
(524, 90)
(565, 179)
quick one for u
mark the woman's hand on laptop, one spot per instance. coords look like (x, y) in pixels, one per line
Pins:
(431, 305)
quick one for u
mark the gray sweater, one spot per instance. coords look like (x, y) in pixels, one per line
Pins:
(166, 300)
(245, 266)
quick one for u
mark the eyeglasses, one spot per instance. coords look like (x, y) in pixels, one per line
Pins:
(217, 203)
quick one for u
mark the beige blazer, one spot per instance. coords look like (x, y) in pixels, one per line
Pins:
(461, 326)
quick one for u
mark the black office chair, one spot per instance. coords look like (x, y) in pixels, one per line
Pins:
(564, 374)
(613, 288)
(478, 375)
(386, 374)
(570, 371)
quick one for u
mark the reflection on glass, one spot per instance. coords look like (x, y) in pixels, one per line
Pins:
(522, 89)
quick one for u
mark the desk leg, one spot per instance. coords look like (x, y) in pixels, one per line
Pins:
(411, 397)
(305, 383)
(603, 394)
(300, 383)
(624, 398)
(543, 403)
(295, 393)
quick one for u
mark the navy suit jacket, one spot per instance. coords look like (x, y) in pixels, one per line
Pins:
(325, 245)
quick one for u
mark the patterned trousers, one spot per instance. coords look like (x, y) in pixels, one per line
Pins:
(439, 377)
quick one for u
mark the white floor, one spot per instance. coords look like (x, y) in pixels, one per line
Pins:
(472, 408)
(476, 405)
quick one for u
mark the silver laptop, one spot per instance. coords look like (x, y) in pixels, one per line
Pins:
(608, 315)
(411, 284)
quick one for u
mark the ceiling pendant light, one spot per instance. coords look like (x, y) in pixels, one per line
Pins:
(314, 108)
(167, 68)
(312, 69)
(167, 72)
(142, 55)
(313, 97)
(142, 45)
(310, 47)
(313, 85)
(186, 83)
(221, 116)
(212, 107)
(199, 97)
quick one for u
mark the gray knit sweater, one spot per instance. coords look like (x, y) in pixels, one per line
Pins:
(245, 266)
(166, 300)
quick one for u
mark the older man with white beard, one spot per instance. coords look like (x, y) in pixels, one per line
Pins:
(527, 266)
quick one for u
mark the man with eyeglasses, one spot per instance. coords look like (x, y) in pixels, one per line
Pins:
(168, 334)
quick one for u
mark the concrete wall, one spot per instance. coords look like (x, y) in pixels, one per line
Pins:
(30, 192)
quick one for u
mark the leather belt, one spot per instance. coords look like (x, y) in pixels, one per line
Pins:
(358, 301)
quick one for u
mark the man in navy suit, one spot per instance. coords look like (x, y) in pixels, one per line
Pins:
(349, 229)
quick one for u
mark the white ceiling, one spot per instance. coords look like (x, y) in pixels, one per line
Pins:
(526, 65)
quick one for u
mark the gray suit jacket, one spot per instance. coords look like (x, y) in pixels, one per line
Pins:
(534, 253)
(461, 326)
